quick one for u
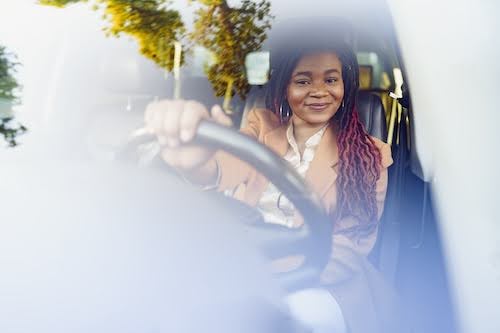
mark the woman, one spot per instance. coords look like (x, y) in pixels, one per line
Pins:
(311, 121)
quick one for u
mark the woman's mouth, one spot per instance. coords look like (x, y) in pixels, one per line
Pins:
(318, 106)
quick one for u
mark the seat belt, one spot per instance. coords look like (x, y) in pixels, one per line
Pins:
(391, 233)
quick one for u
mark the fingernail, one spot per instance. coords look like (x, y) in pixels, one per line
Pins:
(185, 135)
(217, 108)
(162, 140)
(173, 143)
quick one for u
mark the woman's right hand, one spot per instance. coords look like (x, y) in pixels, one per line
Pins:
(174, 122)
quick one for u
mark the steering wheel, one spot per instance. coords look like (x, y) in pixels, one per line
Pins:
(312, 240)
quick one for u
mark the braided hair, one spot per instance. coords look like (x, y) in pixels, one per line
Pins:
(359, 158)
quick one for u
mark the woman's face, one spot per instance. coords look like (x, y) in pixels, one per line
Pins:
(316, 89)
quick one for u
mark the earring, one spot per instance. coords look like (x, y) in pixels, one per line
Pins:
(284, 111)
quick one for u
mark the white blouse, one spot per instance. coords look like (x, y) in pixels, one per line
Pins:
(273, 205)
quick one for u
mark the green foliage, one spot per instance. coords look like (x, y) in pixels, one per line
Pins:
(58, 3)
(10, 131)
(155, 27)
(229, 32)
(9, 88)
(8, 83)
(149, 22)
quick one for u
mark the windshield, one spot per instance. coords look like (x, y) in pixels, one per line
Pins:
(76, 77)
(115, 61)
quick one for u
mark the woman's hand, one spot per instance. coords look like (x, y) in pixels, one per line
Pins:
(174, 122)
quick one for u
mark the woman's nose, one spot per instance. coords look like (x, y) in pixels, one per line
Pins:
(318, 89)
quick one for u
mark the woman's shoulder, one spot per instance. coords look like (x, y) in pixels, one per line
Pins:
(385, 151)
(262, 118)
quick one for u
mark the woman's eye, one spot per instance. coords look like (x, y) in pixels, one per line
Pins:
(301, 82)
(331, 80)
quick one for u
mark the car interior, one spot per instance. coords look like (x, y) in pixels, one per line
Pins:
(408, 250)
(426, 89)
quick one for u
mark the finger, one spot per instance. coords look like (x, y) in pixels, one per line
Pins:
(220, 116)
(153, 117)
(148, 114)
(162, 139)
(171, 122)
(170, 156)
(190, 119)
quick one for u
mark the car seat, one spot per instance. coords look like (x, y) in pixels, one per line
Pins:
(369, 106)
(371, 114)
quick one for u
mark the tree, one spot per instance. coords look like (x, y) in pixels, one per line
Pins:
(229, 32)
(9, 88)
(8, 83)
(149, 22)
(57, 3)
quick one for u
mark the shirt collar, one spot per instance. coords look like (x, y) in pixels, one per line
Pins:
(312, 142)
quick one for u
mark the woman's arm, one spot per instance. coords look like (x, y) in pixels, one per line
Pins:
(174, 122)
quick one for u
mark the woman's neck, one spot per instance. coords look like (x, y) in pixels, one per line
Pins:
(303, 131)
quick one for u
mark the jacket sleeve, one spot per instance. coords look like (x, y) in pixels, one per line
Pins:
(233, 171)
(339, 266)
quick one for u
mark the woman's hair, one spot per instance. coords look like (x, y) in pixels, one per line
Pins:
(359, 158)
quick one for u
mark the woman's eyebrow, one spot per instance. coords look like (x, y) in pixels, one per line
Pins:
(309, 73)
(303, 73)
(333, 70)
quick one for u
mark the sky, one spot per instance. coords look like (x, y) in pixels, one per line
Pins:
(37, 34)
(34, 33)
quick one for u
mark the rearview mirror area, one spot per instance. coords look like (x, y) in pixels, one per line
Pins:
(257, 66)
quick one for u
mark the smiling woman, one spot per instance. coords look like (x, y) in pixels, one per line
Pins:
(315, 91)
(438, 230)
(312, 123)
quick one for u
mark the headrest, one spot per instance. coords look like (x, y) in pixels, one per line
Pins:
(371, 113)
(369, 106)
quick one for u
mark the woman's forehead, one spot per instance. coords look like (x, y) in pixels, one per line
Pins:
(318, 61)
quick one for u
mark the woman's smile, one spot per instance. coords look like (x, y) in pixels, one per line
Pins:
(318, 106)
(316, 89)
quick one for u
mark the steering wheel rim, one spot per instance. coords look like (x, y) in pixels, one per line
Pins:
(312, 240)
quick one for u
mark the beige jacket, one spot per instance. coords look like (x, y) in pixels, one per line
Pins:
(365, 299)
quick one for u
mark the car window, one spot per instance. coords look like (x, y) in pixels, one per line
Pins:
(130, 63)
(76, 77)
